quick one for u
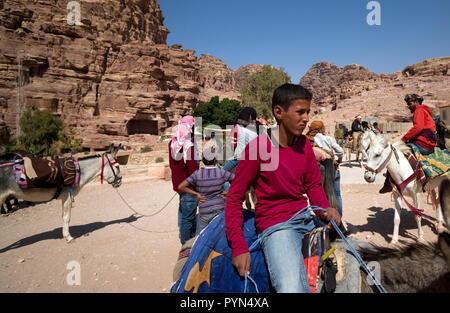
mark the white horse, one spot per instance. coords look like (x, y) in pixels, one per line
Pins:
(382, 154)
(90, 167)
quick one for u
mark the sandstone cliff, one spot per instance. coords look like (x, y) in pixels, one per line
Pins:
(355, 89)
(111, 77)
(340, 93)
(216, 78)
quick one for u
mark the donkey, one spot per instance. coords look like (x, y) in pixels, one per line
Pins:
(90, 168)
(366, 139)
(379, 156)
(417, 267)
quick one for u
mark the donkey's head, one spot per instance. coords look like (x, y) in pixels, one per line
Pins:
(111, 170)
(367, 138)
(375, 157)
(444, 238)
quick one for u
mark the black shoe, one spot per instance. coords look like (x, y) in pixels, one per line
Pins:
(385, 189)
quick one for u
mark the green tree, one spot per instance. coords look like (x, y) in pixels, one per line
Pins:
(226, 113)
(41, 130)
(205, 110)
(221, 113)
(257, 89)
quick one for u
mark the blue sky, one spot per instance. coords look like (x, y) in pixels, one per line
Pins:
(295, 34)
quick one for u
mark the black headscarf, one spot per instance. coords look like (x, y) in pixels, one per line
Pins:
(248, 114)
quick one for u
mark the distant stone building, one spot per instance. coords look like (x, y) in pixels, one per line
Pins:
(444, 111)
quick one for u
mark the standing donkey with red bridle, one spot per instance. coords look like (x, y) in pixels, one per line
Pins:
(90, 167)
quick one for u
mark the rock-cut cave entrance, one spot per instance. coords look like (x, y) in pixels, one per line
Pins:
(137, 126)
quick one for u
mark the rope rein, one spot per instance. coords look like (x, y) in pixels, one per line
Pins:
(147, 215)
(285, 225)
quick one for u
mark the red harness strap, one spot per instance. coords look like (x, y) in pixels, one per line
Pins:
(402, 186)
(101, 174)
(110, 164)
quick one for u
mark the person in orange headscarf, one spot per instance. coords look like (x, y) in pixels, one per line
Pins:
(314, 129)
(325, 147)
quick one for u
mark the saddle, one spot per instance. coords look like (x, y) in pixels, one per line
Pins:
(433, 165)
(415, 165)
(32, 171)
(314, 245)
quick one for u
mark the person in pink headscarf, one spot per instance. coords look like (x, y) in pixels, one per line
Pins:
(183, 162)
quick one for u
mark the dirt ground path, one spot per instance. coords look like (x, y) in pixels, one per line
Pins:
(119, 253)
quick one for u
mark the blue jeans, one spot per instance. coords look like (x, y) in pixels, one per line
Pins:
(230, 165)
(204, 219)
(283, 253)
(186, 216)
(337, 190)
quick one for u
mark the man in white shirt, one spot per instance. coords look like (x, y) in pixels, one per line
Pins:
(318, 135)
(328, 143)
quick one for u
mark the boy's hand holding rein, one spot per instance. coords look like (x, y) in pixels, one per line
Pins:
(242, 263)
(331, 214)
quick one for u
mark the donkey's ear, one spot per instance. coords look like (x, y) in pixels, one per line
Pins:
(384, 142)
(116, 149)
(110, 148)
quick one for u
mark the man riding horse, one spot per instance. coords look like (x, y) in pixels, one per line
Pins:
(423, 133)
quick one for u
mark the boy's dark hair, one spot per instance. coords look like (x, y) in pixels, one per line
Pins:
(208, 162)
(209, 156)
(286, 93)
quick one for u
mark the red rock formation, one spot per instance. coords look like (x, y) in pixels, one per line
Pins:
(430, 67)
(243, 72)
(98, 75)
(110, 77)
(330, 83)
(216, 78)
(334, 87)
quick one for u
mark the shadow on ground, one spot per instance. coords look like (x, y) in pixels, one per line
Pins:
(76, 231)
(15, 205)
(381, 221)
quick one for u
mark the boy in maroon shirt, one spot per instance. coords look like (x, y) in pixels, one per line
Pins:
(282, 167)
